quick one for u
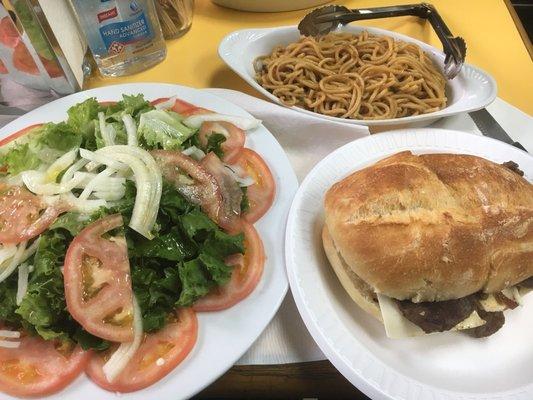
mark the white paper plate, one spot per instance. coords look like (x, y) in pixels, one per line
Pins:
(224, 336)
(471, 90)
(440, 366)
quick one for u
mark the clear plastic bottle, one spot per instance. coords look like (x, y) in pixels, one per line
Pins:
(124, 35)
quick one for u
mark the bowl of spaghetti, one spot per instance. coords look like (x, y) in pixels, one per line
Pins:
(356, 75)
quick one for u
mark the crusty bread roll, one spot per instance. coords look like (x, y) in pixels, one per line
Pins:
(429, 228)
(359, 290)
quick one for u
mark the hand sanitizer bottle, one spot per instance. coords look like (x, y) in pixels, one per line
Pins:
(124, 35)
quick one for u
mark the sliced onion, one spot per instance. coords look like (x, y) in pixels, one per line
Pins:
(12, 180)
(9, 334)
(92, 165)
(149, 183)
(109, 183)
(35, 181)
(69, 173)
(9, 345)
(81, 206)
(166, 104)
(194, 152)
(47, 154)
(15, 261)
(131, 129)
(94, 182)
(7, 252)
(100, 158)
(22, 286)
(107, 131)
(196, 120)
(111, 195)
(60, 165)
(125, 352)
(221, 130)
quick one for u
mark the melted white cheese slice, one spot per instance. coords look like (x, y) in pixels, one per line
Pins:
(398, 327)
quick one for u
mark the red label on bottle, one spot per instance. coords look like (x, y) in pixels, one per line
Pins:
(108, 14)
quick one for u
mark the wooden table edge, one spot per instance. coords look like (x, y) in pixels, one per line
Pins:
(519, 27)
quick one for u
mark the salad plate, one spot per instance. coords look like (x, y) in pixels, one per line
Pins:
(444, 366)
(223, 336)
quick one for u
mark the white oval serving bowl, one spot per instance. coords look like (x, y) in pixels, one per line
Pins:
(472, 89)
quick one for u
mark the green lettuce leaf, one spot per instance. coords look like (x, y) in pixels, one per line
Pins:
(20, 158)
(183, 262)
(73, 222)
(156, 286)
(59, 136)
(163, 129)
(83, 118)
(214, 144)
(134, 105)
(173, 246)
(195, 283)
(245, 202)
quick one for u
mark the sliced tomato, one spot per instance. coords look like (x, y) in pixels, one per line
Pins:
(18, 134)
(158, 355)
(3, 68)
(230, 211)
(182, 107)
(235, 138)
(23, 61)
(39, 367)
(261, 193)
(23, 216)
(97, 281)
(9, 35)
(247, 271)
(191, 180)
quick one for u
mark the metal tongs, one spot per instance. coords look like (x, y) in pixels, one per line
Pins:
(326, 19)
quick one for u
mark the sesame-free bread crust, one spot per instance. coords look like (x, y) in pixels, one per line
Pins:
(433, 227)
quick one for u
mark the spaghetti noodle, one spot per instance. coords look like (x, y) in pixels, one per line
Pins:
(360, 76)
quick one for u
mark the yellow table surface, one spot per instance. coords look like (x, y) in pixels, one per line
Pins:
(493, 42)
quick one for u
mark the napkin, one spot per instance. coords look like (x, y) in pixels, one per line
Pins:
(306, 140)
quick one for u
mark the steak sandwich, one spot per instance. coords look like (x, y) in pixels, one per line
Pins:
(432, 243)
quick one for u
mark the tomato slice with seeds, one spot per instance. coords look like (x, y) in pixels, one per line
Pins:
(158, 355)
(97, 281)
(182, 107)
(23, 215)
(39, 367)
(261, 194)
(235, 138)
(247, 271)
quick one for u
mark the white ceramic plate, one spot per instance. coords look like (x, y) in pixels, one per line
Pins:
(438, 367)
(471, 90)
(224, 336)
